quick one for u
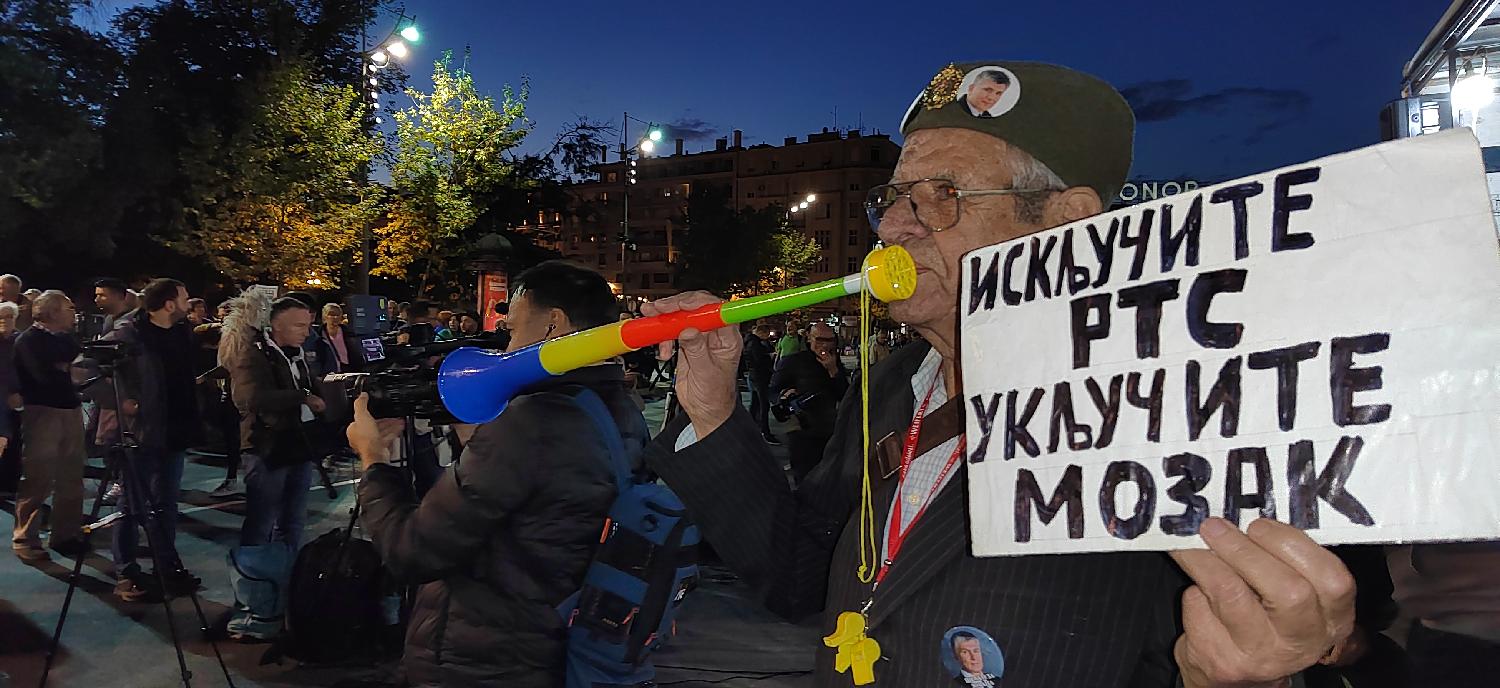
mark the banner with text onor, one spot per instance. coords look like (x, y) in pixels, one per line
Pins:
(1319, 345)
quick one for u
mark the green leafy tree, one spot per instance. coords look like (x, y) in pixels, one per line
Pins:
(295, 200)
(450, 153)
(55, 83)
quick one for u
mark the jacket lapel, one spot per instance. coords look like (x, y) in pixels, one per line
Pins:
(939, 536)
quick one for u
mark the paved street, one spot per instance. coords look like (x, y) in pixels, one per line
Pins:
(109, 643)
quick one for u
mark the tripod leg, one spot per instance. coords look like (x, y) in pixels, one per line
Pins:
(327, 480)
(138, 496)
(111, 471)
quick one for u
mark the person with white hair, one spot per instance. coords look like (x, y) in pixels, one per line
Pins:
(10, 292)
(52, 454)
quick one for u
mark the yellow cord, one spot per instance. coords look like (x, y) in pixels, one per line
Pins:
(869, 551)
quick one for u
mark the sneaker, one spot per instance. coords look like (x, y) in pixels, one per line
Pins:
(71, 548)
(128, 585)
(229, 488)
(112, 494)
(30, 552)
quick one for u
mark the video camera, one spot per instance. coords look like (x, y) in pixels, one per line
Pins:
(106, 353)
(403, 376)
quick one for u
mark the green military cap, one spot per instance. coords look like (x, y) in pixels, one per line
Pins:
(1074, 123)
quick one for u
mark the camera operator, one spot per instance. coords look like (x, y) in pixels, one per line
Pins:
(271, 385)
(109, 297)
(52, 453)
(810, 384)
(507, 533)
(154, 383)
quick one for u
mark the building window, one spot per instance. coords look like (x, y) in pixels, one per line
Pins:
(775, 165)
(874, 155)
(685, 190)
(613, 177)
(852, 266)
(750, 194)
(822, 238)
(661, 278)
(853, 237)
(854, 186)
(821, 266)
(575, 241)
(601, 260)
(666, 192)
(827, 210)
(603, 196)
(856, 210)
(645, 281)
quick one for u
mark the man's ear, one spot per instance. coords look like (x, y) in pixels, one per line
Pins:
(558, 321)
(1072, 205)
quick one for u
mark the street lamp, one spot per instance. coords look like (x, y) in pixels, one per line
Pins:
(393, 46)
(1474, 91)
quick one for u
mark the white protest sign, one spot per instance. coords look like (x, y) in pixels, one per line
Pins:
(1319, 345)
(269, 290)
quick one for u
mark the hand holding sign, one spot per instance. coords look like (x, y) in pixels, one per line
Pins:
(1264, 605)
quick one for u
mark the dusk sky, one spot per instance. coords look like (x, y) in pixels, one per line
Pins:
(1221, 89)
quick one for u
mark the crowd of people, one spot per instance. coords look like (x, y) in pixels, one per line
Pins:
(148, 375)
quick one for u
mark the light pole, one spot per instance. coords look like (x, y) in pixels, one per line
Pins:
(645, 146)
(371, 62)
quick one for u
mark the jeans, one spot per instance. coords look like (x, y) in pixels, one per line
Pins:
(760, 402)
(154, 482)
(275, 503)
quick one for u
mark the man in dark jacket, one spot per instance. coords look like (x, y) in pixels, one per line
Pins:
(507, 533)
(1265, 605)
(812, 382)
(758, 364)
(154, 384)
(52, 453)
(272, 388)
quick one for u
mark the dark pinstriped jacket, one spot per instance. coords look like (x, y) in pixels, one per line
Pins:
(1069, 621)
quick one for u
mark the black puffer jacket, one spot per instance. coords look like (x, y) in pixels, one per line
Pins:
(503, 537)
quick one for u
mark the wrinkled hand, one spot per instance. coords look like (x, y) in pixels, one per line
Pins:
(316, 403)
(1266, 605)
(707, 366)
(371, 438)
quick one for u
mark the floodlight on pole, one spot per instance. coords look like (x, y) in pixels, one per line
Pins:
(811, 198)
(397, 49)
(379, 57)
(374, 81)
(647, 146)
(655, 135)
(411, 34)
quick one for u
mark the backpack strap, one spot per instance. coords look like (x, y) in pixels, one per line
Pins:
(589, 401)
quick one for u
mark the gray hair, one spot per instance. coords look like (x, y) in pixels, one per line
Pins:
(48, 304)
(7, 277)
(8, 308)
(1026, 172)
(328, 307)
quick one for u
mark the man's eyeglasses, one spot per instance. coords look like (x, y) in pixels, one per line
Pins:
(936, 203)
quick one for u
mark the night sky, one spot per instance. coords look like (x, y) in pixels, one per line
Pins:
(1221, 89)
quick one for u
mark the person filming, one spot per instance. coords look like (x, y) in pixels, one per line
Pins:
(507, 532)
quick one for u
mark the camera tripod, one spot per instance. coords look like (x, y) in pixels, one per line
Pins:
(119, 464)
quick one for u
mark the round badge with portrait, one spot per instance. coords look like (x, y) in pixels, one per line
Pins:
(989, 91)
(972, 658)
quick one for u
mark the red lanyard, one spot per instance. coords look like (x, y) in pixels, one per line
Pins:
(895, 534)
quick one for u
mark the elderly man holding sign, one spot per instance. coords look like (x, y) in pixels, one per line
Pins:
(879, 545)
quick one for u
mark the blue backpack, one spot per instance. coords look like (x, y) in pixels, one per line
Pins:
(645, 566)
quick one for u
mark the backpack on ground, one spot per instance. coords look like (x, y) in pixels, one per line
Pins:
(643, 570)
(337, 598)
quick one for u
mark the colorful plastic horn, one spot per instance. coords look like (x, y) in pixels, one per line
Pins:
(476, 384)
